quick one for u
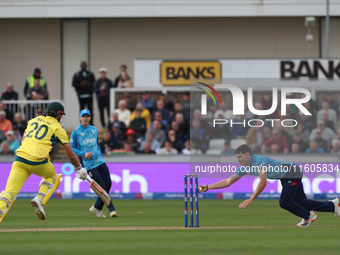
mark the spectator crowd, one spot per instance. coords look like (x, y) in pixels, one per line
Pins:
(156, 124)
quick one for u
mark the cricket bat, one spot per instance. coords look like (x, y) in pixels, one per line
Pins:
(102, 194)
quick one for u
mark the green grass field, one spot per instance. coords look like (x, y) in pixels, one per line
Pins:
(262, 228)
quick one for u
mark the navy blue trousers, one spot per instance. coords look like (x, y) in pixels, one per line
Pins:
(294, 200)
(101, 175)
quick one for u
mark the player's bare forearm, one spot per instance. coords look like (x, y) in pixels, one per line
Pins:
(262, 184)
(260, 187)
(71, 155)
(221, 184)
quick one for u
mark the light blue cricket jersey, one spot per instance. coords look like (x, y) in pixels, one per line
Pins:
(86, 140)
(274, 169)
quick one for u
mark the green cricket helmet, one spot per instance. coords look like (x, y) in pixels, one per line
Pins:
(54, 109)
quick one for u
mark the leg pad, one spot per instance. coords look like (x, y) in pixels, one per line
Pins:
(9, 204)
(52, 188)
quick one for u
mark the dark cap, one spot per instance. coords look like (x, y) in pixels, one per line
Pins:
(37, 70)
(145, 92)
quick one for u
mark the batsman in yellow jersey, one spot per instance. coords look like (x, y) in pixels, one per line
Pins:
(33, 158)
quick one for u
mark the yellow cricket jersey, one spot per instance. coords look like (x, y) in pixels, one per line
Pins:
(40, 135)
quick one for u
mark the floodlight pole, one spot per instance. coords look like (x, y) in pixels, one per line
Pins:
(309, 23)
(309, 42)
(327, 29)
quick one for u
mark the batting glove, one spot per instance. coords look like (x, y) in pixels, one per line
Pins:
(81, 173)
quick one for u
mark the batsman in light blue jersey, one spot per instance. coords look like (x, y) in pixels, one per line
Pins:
(293, 197)
(84, 142)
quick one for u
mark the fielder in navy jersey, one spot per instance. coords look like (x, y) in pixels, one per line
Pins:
(292, 199)
(84, 142)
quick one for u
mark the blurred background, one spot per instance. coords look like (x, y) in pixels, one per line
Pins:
(140, 58)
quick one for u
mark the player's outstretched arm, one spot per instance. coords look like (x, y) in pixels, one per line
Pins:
(71, 155)
(221, 184)
(260, 187)
(81, 172)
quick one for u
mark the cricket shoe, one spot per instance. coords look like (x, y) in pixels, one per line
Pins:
(113, 214)
(39, 210)
(336, 203)
(305, 223)
(98, 213)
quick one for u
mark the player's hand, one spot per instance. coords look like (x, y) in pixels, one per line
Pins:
(245, 203)
(81, 173)
(88, 155)
(202, 188)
